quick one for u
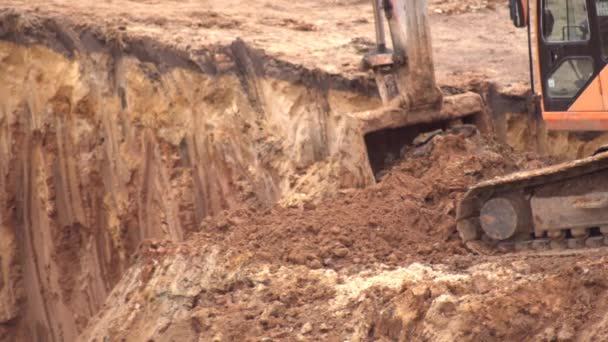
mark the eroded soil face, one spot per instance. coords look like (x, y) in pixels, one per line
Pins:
(163, 180)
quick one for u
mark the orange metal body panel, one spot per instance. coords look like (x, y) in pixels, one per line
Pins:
(591, 99)
(576, 121)
(595, 97)
(588, 112)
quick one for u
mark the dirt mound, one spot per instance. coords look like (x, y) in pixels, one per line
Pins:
(379, 264)
(408, 216)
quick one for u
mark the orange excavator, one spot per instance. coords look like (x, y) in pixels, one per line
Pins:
(561, 206)
(566, 205)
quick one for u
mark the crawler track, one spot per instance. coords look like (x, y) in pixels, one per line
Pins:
(562, 207)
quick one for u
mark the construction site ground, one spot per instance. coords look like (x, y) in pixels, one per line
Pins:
(357, 262)
(471, 38)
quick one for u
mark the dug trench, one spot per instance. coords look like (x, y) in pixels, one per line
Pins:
(222, 194)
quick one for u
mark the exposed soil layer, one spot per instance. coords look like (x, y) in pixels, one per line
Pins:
(408, 216)
(107, 141)
(162, 179)
(379, 264)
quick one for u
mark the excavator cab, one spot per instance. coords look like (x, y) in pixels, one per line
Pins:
(568, 54)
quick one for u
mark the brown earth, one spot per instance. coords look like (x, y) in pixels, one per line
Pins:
(408, 216)
(382, 263)
(329, 35)
(163, 180)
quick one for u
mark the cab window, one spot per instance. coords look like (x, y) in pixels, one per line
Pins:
(569, 77)
(565, 20)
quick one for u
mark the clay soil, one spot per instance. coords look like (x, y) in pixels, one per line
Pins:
(382, 263)
(407, 217)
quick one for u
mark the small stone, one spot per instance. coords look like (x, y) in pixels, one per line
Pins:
(312, 229)
(566, 333)
(423, 150)
(392, 258)
(534, 310)
(306, 328)
(421, 291)
(341, 252)
(266, 339)
(315, 264)
(549, 334)
(277, 309)
(466, 130)
(264, 319)
(335, 230)
(424, 138)
(324, 327)
(309, 205)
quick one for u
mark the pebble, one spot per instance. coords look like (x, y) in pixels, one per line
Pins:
(341, 252)
(422, 291)
(306, 328)
(566, 333)
(315, 264)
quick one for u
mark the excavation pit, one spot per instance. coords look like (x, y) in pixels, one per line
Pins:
(142, 146)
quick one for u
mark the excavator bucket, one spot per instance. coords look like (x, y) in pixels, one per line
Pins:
(405, 75)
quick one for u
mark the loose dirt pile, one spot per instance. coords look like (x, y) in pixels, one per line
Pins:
(408, 216)
(340, 269)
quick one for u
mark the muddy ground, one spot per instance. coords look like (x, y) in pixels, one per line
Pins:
(163, 180)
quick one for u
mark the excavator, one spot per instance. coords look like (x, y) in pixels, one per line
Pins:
(564, 206)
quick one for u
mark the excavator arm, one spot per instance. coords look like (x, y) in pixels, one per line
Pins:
(405, 74)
